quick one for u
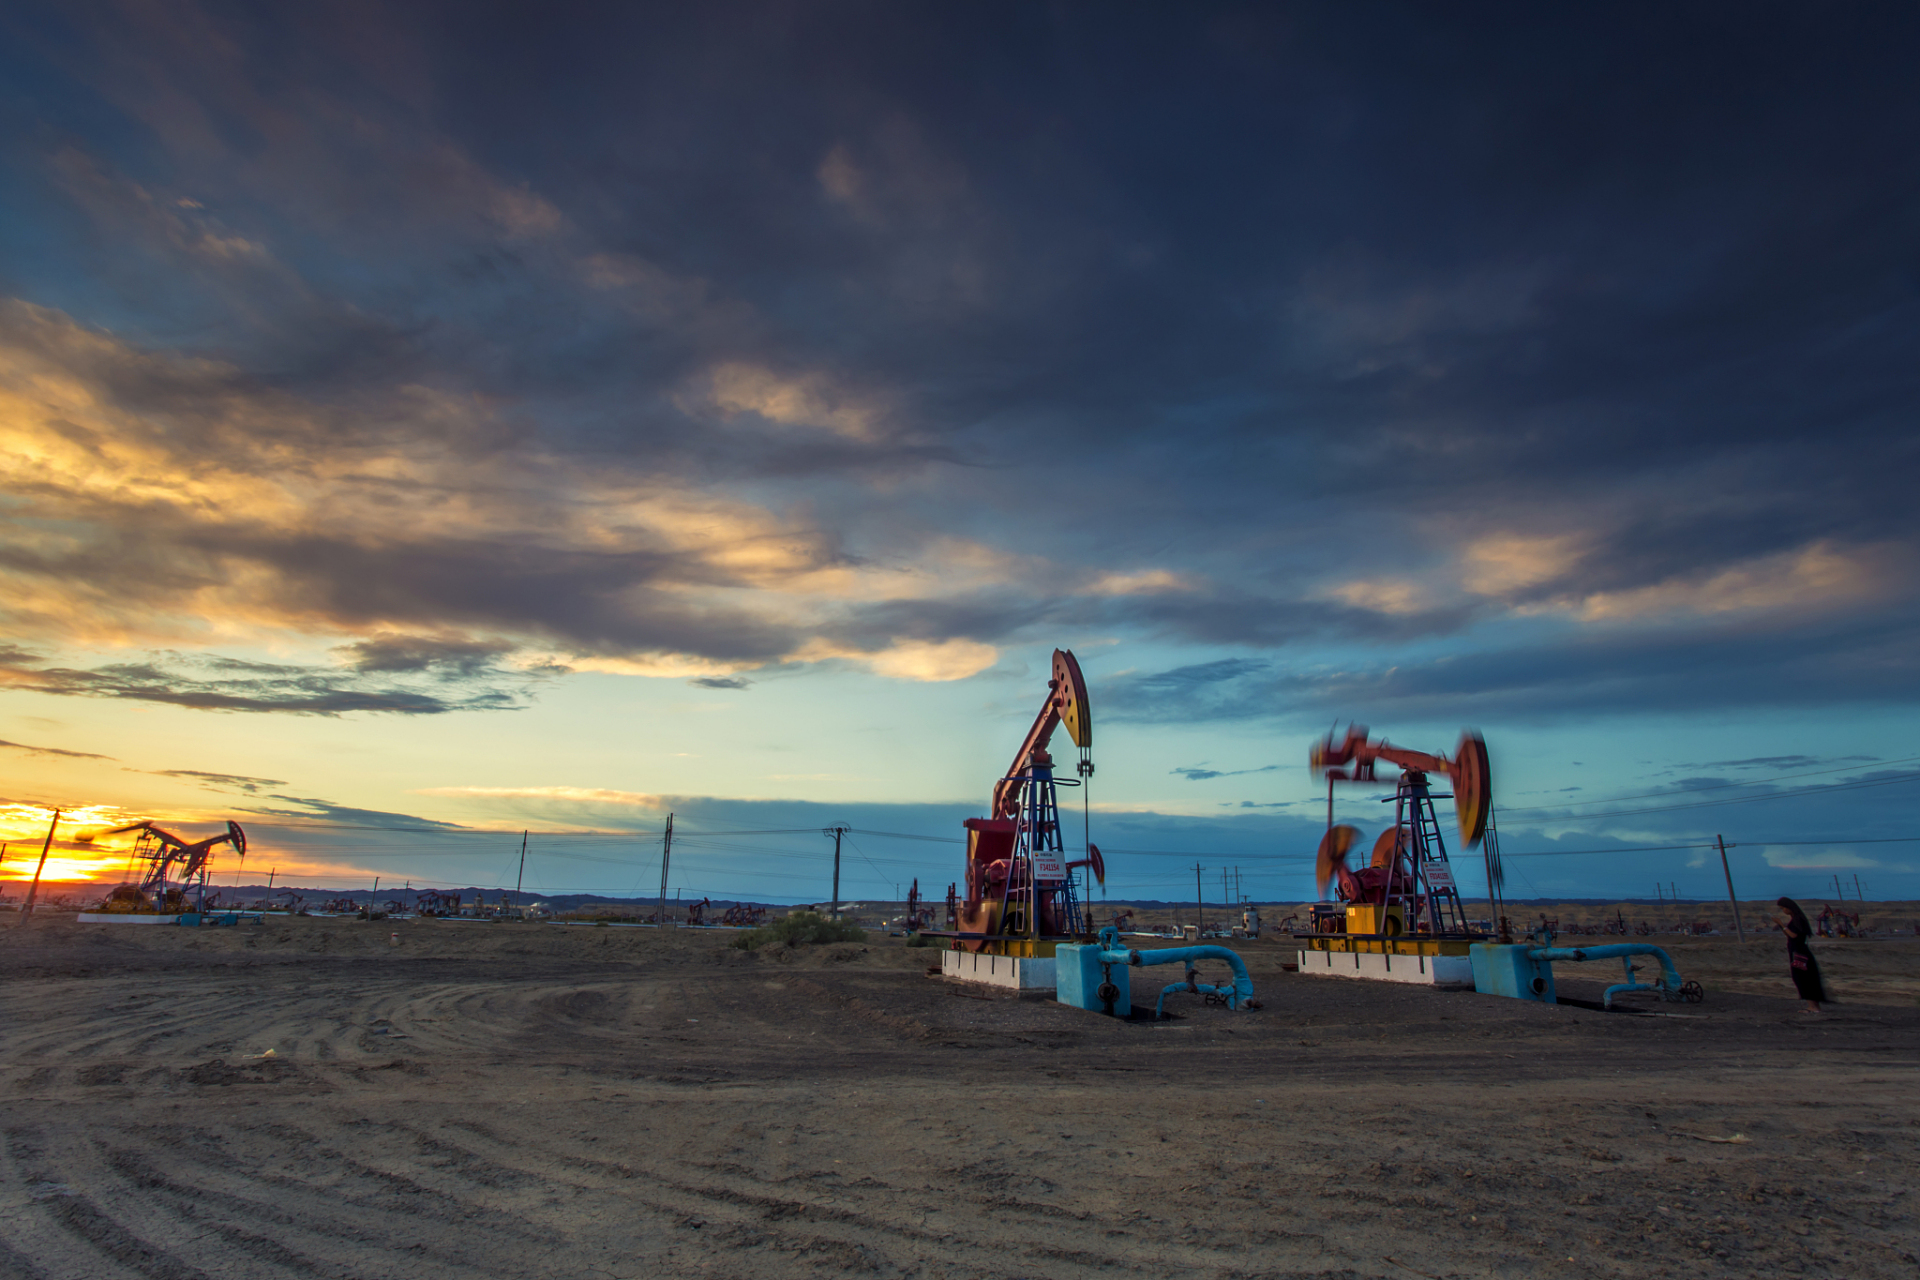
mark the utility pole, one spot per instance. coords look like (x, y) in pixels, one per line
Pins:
(522, 879)
(1731, 897)
(1838, 892)
(1659, 893)
(270, 875)
(1858, 893)
(666, 859)
(836, 832)
(1200, 896)
(26, 912)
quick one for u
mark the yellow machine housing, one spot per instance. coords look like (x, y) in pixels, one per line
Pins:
(1390, 937)
(1365, 917)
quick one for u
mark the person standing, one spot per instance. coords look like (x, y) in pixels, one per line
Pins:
(1792, 921)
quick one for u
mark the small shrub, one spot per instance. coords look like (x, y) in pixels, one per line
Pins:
(800, 929)
(922, 940)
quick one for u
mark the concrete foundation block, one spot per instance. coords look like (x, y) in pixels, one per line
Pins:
(1019, 973)
(1452, 972)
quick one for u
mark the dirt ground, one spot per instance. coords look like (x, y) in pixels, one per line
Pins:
(457, 1099)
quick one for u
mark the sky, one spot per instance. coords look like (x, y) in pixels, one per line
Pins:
(427, 423)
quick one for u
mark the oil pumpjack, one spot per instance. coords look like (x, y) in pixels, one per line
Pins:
(1019, 897)
(1401, 918)
(168, 858)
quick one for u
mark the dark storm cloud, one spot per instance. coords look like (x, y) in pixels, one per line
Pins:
(218, 684)
(448, 658)
(1229, 689)
(1228, 615)
(1631, 676)
(1306, 305)
(325, 811)
(1805, 666)
(595, 601)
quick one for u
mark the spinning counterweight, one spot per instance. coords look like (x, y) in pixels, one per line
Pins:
(1405, 902)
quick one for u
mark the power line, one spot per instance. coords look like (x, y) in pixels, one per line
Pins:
(1708, 844)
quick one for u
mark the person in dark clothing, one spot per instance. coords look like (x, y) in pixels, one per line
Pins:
(1792, 921)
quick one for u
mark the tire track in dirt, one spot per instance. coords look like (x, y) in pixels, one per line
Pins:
(367, 1187)
(875, 1209)
(307, 1235)
(83, 1220)
(752, 1212)
(52, 1175)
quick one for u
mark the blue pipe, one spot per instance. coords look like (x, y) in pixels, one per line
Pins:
(1237, 996)
(1668, 986)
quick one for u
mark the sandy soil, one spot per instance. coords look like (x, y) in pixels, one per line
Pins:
(450, 1099)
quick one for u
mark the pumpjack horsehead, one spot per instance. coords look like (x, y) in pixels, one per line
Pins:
(1409, 863)
(1019, 885)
